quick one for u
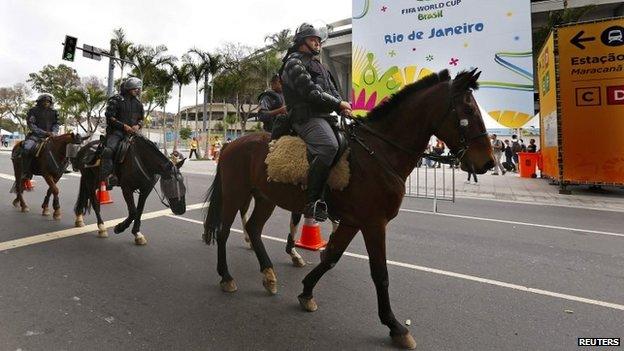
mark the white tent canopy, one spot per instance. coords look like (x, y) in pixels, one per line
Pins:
(5, 132)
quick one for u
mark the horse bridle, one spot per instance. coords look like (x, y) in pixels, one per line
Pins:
(455, 157)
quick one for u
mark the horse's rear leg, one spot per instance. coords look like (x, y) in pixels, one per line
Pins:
(46, 201)
(229, 209)
(263, 208)
(244, 219)
(19, 186)
(335, 247)
(375, 240)
(129, 198)
(296, 259)
(95, 204)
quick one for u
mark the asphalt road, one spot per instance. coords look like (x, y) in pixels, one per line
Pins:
(481, 275)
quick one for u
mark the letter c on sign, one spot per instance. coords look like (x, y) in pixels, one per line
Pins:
(588, 96)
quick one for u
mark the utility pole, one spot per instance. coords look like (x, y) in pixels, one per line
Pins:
(111, 70)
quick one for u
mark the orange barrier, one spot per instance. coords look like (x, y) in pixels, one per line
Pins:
(528, 162)
(103, 195)
(311, 238)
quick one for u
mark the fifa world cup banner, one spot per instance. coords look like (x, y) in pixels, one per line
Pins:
(397, 42)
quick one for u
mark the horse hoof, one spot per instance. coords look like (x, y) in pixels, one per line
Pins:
(269, 281)
(25, 209)
(102, 232)
(308, 305)
(228, 286)
(139, 239)
(405, 341)
(56, 215)
(16, 203)
(79, 222)
(298, 261)
(45, 212)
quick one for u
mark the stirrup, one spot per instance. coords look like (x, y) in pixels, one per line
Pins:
(316, 210)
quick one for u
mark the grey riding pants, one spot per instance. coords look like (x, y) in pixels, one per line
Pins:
(319, 138)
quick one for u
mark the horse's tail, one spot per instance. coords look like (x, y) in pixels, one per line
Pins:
(214, 196)
(83, 202)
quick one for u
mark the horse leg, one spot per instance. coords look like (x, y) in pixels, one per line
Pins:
(129, 198)
(46, 201)
(263, 209)
(335, 247)
(245, 219)
(375, 240)
(19, 187)
(230, 206)
(55, 191)
(139, 238)
(334, 224)
(95, 203)
(297, 260)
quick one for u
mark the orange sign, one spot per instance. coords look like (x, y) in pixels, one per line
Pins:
(591, 84)
(548, 108)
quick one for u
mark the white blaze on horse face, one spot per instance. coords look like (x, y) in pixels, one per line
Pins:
(463, 122)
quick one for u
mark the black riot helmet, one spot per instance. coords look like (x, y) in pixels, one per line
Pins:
(307, 30)
(131, 83)
(45, 97)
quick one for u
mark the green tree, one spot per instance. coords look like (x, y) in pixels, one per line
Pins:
(123, 48)
(57, 81)
(280, 41)
(185, 133)
(557, 18)
(89, 100)
(14, 104)
(180, 75)
(198, 68)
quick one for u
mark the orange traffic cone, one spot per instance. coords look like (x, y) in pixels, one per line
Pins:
(102, 194)
(311, 238)
(29, 185)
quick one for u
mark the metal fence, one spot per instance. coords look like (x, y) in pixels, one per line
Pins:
(432, 181)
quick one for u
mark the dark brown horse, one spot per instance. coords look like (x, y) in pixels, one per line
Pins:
(139, 170)
(50, 164)
(384, 151)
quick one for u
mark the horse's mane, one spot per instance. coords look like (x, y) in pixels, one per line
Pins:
(382, 110)
(150, 145)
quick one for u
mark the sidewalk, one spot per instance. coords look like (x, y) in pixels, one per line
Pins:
(511, 187)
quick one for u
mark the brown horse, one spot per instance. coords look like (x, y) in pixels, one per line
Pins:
(50, 165)
(384, 151)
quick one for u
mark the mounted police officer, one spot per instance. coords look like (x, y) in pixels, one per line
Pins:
(311, 96)
(271, 104)
(124, 116)
(43, 122)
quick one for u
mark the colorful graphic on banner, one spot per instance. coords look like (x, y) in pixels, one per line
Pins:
(397, 42)
(547, 81)
(591, 78)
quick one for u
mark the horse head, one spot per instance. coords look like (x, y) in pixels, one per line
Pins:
(462, 127)
(173, 187)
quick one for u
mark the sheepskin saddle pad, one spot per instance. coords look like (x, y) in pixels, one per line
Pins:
(287, 162)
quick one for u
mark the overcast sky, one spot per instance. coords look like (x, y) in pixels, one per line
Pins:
(32, 31)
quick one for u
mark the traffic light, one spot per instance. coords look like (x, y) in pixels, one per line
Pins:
(69, 51)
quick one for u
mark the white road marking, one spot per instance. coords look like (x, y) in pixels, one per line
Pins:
(7, 176)
(36, 239)
(457, 275)
(600, 232)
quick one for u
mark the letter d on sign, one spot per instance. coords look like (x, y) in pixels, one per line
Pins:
(615, 95)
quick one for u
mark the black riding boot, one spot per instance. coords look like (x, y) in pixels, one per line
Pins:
(317, 178)
(26, 165)
(107, 174)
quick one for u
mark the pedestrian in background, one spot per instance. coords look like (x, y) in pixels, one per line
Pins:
(498, 148)
(438, 149)
(515, 148)
(194, 145)
(532, 147)
(474, 176)
(509, 164)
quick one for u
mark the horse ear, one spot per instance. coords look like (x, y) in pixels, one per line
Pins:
(475, 77)
(180, 164)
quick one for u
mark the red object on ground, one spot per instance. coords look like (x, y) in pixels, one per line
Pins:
(528, 162)
(29, 185)
(311, 238)
(103, 195)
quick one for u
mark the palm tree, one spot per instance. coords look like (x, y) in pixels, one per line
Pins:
(122, 47)
(181, 75)
(197, 72)
(557, 18)
(280, 41)
(89, 98)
